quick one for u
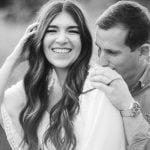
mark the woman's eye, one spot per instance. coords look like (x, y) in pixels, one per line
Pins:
(51, 31)
(74, 31)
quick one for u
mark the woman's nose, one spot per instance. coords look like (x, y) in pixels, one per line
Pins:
(62, 38)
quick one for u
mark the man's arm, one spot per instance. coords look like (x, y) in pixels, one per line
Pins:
(137, 132)
(137, 129)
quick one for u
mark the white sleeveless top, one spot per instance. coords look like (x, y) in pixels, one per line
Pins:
(98, 125)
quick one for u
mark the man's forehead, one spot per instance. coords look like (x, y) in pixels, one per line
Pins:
(112, 35)
(115, 29)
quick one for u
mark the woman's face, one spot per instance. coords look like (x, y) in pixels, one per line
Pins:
(62, 43)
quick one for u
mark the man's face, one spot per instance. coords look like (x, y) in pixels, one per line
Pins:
(114, 53)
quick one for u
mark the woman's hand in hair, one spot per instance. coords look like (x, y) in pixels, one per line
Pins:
(20, 53)
(13, 60)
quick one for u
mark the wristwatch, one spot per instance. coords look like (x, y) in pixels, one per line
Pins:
(133, 110)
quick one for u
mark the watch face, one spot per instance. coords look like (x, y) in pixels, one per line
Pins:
(135, 108)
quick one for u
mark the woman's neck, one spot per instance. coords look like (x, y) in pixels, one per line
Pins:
(61, 75)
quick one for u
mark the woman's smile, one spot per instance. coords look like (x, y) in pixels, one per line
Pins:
(61, 50)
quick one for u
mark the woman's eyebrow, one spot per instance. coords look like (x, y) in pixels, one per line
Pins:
(73, 27)
(52, 26)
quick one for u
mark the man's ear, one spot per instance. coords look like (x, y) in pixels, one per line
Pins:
(145, 50)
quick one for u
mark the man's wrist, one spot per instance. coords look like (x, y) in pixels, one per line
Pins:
(133, 110)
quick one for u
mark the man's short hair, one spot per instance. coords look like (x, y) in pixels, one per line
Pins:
(133, 17)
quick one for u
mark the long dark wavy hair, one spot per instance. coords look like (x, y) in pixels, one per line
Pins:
(36, 82)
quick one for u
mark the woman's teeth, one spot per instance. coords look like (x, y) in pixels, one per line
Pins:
(61, 50)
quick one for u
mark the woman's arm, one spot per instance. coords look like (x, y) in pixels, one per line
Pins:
(18, 56)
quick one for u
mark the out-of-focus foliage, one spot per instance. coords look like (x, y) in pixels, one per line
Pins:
(4, 3)
(20, 10)
(23, 10)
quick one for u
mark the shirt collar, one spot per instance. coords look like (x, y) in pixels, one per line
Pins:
(143, 81)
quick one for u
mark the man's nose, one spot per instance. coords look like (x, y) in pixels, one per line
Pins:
(62, 38)
(103, 59)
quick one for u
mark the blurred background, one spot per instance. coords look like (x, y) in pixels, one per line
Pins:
(16, 15)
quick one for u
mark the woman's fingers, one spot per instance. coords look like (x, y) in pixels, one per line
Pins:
(20, 53)
(31, 28)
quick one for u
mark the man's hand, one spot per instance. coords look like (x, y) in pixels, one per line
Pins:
(113, 85)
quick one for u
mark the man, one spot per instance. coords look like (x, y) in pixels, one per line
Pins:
(122, 38)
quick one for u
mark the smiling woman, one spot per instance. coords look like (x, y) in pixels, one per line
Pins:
(62, 43)
(48, 109)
